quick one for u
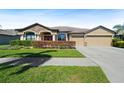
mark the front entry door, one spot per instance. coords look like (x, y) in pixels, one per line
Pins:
(47, 38)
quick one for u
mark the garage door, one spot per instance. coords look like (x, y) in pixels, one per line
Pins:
(99, 41)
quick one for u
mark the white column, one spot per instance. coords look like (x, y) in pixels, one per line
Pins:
(37, 37)
(85, 42)
(66, 37)
(21, 37)
(54, 38)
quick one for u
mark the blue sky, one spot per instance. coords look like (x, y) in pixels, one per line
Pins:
(84, 18)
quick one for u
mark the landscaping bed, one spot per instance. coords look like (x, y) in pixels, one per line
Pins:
(51, 74)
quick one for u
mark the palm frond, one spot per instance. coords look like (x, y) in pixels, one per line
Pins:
(117, 26)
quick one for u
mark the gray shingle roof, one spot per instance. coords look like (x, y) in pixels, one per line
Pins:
(67, 29)
(70, 29)
(11, 32)
(79, 30)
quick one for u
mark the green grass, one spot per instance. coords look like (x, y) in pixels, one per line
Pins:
(51, 74)
(41, 53)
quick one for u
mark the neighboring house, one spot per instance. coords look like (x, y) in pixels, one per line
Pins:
(7, 35)
(99, 36)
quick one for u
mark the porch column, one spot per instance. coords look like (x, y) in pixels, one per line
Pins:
(85, 42)
(54, 37)
(66, 37)
(37, 37)
(21, 37)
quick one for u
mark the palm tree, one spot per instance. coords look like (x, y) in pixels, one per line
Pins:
(119, 30)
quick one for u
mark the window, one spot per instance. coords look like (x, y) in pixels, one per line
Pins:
(30, 36)
(62, 37)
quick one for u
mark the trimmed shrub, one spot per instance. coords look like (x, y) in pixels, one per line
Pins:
(53, 44)
(119, 44)
(116, 39)
(21, 42)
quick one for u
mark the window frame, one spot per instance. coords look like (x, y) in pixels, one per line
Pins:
(60, 38)
(30, 36)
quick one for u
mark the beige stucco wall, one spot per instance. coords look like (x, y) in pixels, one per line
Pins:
(37, 30)
(77, 38)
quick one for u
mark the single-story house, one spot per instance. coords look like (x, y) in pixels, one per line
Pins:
(7, 35)
(98, 36)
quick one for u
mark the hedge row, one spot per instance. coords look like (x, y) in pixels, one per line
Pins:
(54, 44)
(116, 39)
(116, 42)
(119, 44)
(21, 42)
(44, 44)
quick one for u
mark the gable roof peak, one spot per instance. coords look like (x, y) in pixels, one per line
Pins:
(100, 26)
(35, 24)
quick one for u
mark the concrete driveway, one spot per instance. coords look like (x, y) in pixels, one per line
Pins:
(110, 59)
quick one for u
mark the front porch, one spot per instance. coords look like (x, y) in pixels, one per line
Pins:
(44, 36)
(38, 32)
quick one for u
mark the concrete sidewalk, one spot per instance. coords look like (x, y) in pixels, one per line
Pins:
(52, 61)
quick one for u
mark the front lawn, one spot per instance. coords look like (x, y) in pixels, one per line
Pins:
(51, 74)
(40, 53)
